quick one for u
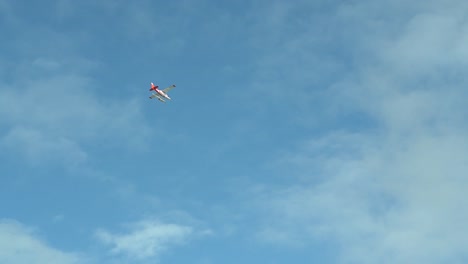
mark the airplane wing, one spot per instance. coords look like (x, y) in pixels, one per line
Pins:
(168, 88)
(157, 96)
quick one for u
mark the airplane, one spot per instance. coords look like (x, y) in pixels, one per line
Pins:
(160, 94)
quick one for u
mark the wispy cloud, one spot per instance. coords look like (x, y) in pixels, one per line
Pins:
(62, 111)
(391, 193)
(43, 149)
(402, 200)
(50, 101)
(145, 239)
(19, 244)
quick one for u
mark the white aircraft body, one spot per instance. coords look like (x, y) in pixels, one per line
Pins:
(160, 94)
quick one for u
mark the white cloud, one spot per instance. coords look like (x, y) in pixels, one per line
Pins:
(392, 193)
(39, 148)
(58, 109)
(20, 245)
(145, 239)
(51, 101)
(397, 202)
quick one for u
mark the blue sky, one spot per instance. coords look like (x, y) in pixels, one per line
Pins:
(299, 132)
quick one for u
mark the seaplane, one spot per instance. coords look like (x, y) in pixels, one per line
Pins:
(160, 94)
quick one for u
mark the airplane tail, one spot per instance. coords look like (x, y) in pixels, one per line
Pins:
(153, 87)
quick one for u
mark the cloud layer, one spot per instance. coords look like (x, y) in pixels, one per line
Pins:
(392, 191)
(145, 239)
(20, 245)
(54, 111)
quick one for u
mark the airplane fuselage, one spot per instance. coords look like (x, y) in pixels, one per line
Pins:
(163, 94)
